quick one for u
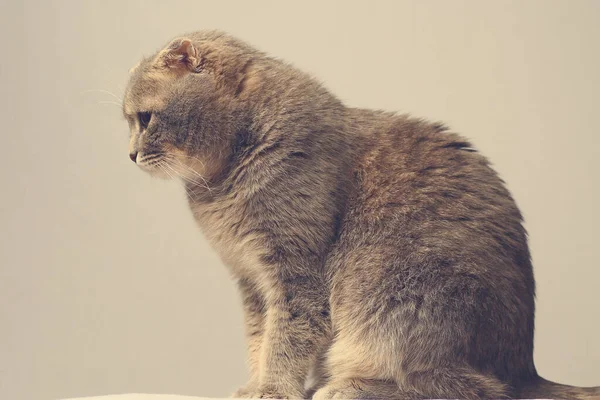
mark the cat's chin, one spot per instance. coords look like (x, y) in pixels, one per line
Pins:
(156, 172)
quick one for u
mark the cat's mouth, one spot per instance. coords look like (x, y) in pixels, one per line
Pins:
(172, 164)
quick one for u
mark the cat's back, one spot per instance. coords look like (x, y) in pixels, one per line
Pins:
(425, 190)
(418, 163)
(432, 250)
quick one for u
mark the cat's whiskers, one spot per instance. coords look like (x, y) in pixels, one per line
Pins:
(110, 102)
(195, 173)
(103, 91)
(183, 171)
(195, 182)
(188, 179)
(187, 168)
(161, 166)
(194, 158)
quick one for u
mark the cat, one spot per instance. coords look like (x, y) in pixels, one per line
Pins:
(377, 250)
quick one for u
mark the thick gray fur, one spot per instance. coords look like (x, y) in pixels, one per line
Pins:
(378, 250)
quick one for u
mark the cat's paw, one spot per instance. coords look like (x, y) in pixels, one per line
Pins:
(266, 392)
(246, 391)
(360, 389)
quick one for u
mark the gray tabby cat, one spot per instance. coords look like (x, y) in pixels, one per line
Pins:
(379, 250)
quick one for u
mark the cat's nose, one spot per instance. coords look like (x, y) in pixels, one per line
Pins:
(133, 156)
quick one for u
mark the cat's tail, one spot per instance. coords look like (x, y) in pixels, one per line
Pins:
(540, 388)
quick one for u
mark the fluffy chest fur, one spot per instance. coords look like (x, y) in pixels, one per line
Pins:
(232, 235)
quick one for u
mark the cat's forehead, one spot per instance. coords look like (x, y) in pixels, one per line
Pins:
(147, 90)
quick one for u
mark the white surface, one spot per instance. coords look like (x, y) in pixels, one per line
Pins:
(141, 396)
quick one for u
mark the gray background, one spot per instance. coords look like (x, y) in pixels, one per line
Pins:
(107, 285)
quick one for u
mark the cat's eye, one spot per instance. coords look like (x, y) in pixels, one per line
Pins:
(144, 118)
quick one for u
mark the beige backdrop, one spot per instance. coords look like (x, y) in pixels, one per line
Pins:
(106, 284)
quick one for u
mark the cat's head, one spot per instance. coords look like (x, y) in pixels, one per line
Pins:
(183, 105)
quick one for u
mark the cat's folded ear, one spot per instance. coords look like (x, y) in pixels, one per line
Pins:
(229, 65)
(179, 56)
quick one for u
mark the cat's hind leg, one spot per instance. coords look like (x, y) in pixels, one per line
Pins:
(455, 383)
(411, 332)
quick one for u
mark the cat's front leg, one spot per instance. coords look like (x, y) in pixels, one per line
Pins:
(254, 321)
(297, 326)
